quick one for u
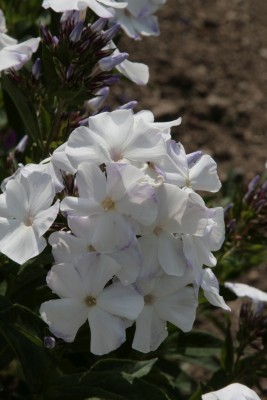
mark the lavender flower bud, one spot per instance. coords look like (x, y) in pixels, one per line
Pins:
(36, 69)
(99, 24)
(21, 146)
(76, 33)
(49, 342)
(112, 80)
(128, 106)
(69, 72)
(46, 35)
(112, 32)
(108, 63)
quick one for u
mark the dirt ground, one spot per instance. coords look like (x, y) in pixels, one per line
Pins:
(209, 65)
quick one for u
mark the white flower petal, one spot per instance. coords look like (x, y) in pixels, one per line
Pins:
(107, 331)
(64, 317)
(232, 392)
(122, 301)
(178, 308)
(150, 331)
(203, 175)
(243, 290)
(171, 256)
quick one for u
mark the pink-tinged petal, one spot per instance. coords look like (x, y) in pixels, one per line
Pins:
(66, 247)
(65, 280)
(178, 308)
(150, 331)
(107, 331)
(113, 232)
(210, 286)
(18, 241)
(91, 182)
(122, 301)
(17, 199)
(171, 256)
(203, 175)
(85, 145)
(44, 219)
(64, 317)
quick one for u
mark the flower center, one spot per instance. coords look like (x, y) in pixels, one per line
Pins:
(28, 221)
(157, 230)
(108, 204)
(90, 248)
(149, 299)
(90, 301)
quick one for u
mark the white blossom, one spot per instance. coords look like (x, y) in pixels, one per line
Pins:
(83, 296)
(232, 392)
(243, 290)
(25, 215)
(210, 286)
(100, 7)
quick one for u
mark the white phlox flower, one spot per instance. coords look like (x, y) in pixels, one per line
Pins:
(159, 238)
(209, 237)
(25, 215)
(243, 290)
(67, 247)
(166, 298)
(115, 136)
(232, 392)
(99, 7)
(83, 296)
(137, 19)
(13, 54)
(114, 200)
(210, 286)
(196, 173)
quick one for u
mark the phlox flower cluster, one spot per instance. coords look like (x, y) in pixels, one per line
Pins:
(137, 232)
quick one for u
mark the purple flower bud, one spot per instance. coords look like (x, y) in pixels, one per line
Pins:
(55, 40)
(49, 342)
(232, 225)
(192, 158)
(128, 106)
(46, 35)
(253, 183)
(21, 146)
(76, 33)
(112, 80)
(228, 208)
(108, 63)
(36, 69)
(264, 186)
(99, 24)
(69, 72)
(111, 32)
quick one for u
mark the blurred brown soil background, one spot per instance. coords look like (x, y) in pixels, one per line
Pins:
(209, 66)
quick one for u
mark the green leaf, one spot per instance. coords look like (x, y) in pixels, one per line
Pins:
(227, 353)
(22, 331)
(23, 106)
